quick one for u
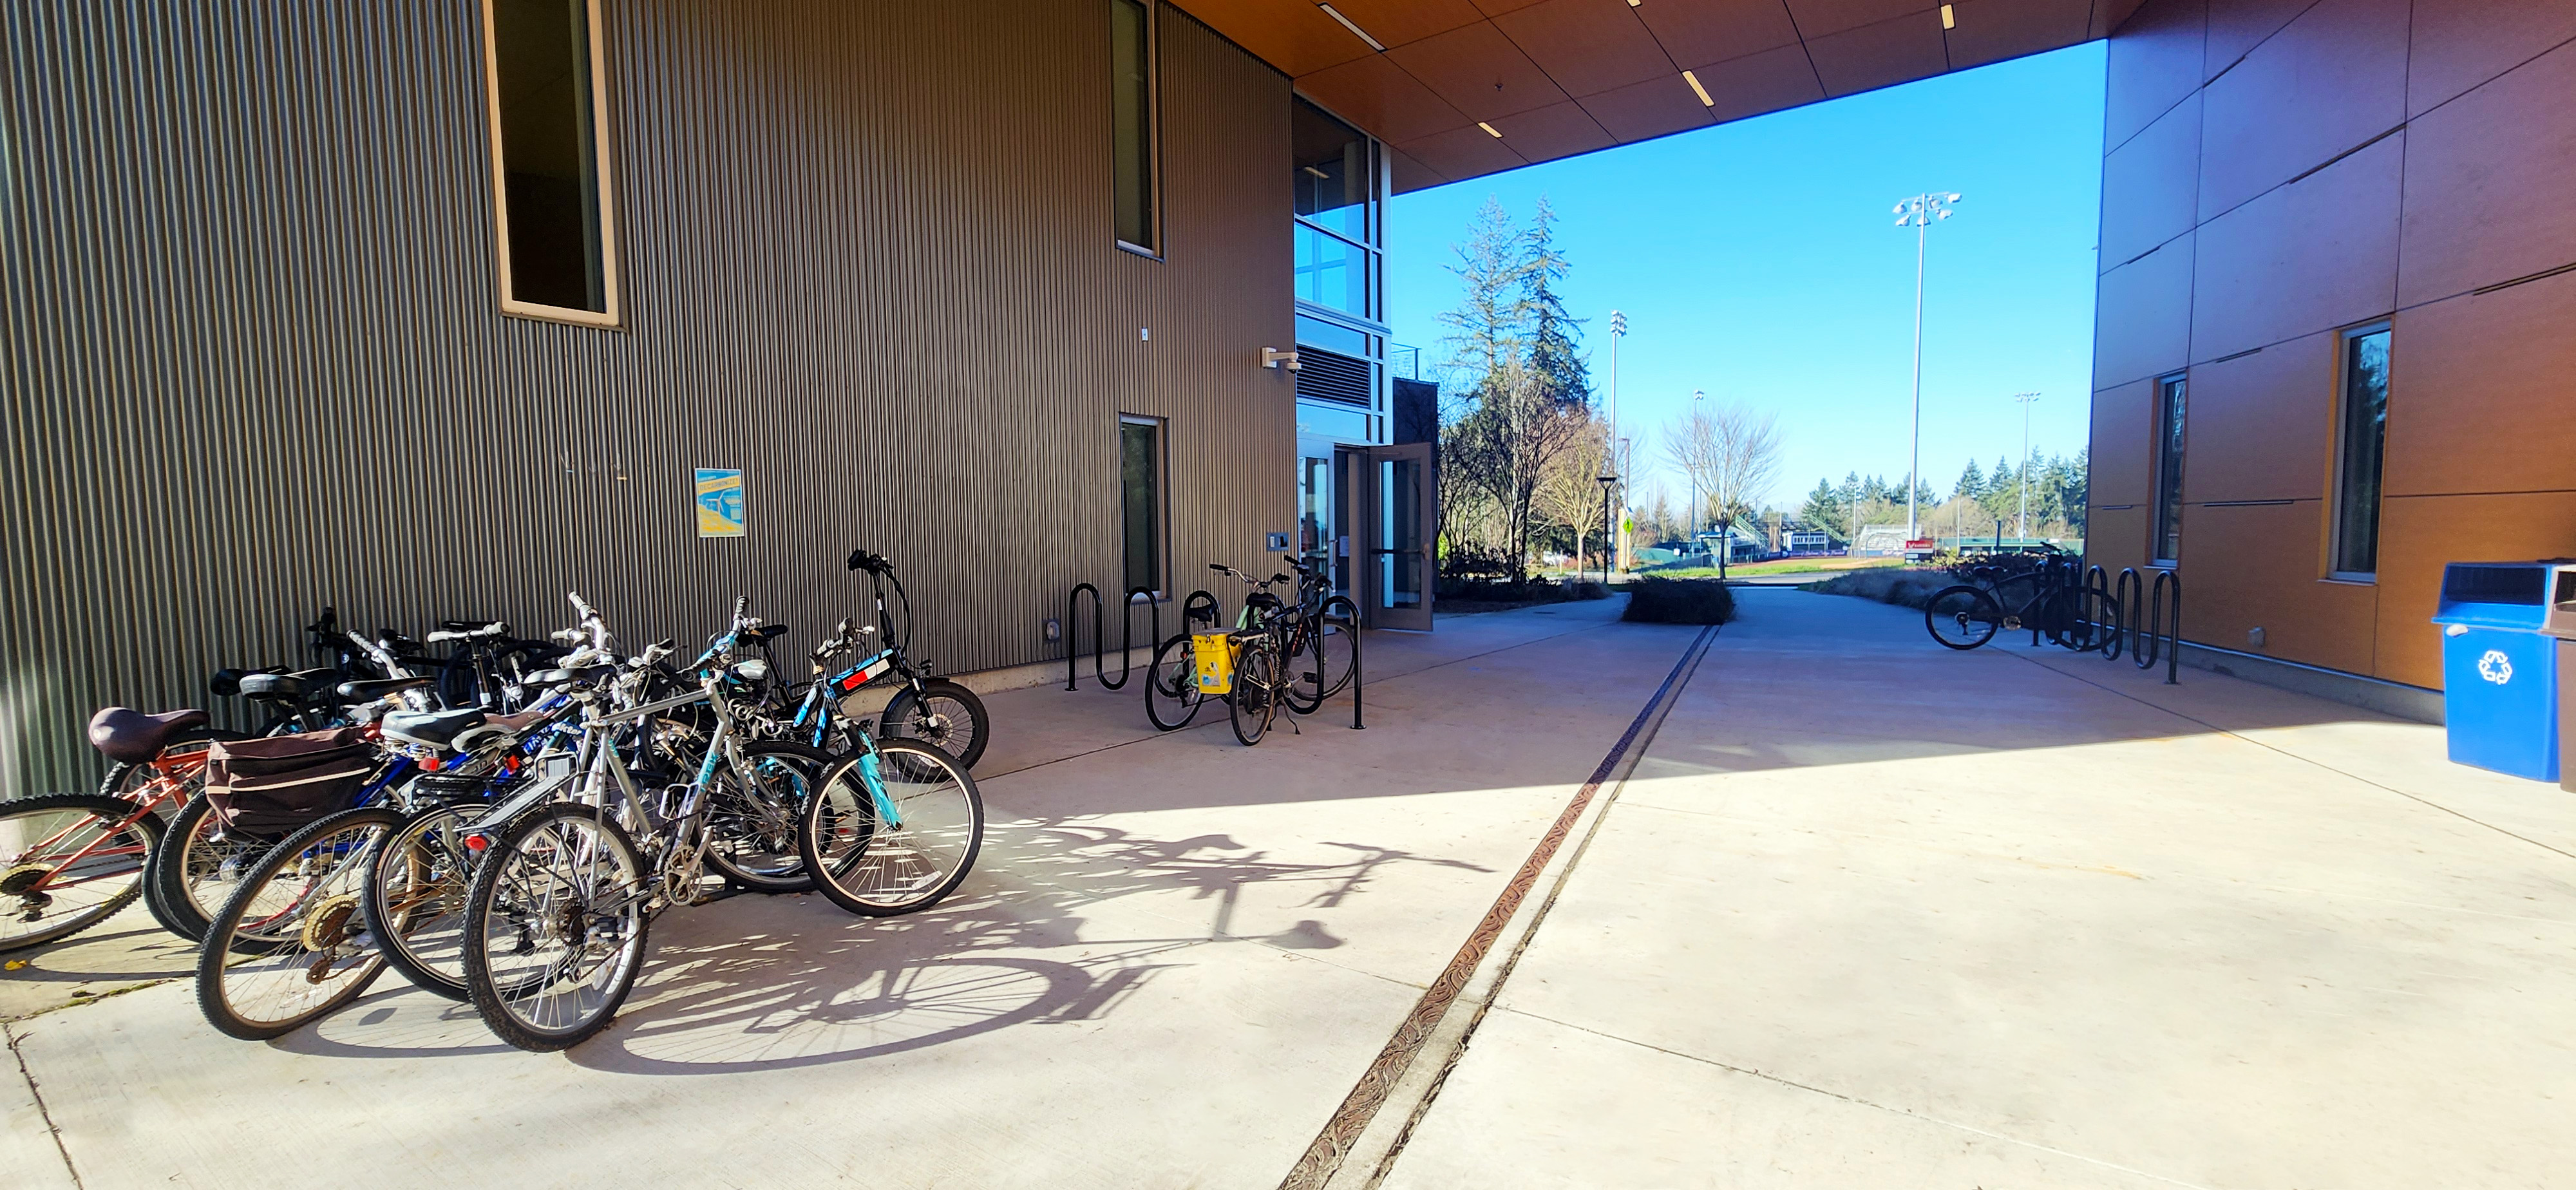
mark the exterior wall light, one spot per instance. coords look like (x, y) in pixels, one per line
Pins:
(1272, 357)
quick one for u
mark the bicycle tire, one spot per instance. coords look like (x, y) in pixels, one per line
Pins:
(944, 715)
(875, 872)
(1172, 695)
(1970, 616)
(507, 1012)
(770, 821)
(1314, 674)
(65, 823)
(291, 945)
(425, 948)
(1255, 698)
(192, 872)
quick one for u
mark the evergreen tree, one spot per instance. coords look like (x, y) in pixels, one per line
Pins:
(1554, 350)
(1972, 482)
(1825, 509)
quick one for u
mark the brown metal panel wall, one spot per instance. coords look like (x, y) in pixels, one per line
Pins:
(255, 364)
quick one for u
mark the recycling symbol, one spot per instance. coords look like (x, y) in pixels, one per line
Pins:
(2495, 667)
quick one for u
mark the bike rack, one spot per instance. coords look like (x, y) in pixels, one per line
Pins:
(2150, 638)
(1100, 634)
(1350, 621)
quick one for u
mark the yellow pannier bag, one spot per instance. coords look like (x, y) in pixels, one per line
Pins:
(1214, 654)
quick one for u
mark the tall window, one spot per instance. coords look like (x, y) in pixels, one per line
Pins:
(1132, 140)
(1336, 181)
(2169, 411)
(1140, 498)
(545, 87)
(2363, 441)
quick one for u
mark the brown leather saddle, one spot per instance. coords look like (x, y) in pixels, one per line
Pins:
(131, 737)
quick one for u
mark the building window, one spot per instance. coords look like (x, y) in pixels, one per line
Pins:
(545, 86)
(1140, 497)
(2169, 413)
(1132, 134)
(2360, 447)
(1336, 180)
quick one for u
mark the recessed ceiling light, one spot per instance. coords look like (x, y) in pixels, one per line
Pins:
(1948, 19)
(1489, 130)
(1696, 89)
(1356, 31)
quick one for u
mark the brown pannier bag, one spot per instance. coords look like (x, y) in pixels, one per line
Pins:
(277, 784)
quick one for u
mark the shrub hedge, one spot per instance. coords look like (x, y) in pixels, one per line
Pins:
(1679, 601)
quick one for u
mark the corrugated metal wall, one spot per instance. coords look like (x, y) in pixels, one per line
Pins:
(255, 363)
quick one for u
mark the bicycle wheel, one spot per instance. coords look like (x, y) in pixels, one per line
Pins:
(881, 865)
(1962, 617)
(1256, 691)
(69, 861)
(751, 818)
(1321, 667)
(555, 927)
(415, 898)
(291, 944)
(945, 716)
(1172, 695)
(198, 866)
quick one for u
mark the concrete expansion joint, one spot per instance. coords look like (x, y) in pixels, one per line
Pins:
(36, 1092)
(1361, 1142)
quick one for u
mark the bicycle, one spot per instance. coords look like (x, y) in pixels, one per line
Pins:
(559, 907)
(1315, 648)
(934, 710)
(2075, 616)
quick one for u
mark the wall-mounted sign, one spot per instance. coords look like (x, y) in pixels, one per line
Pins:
(719, 503)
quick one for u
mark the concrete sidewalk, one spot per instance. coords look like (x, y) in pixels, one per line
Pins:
(1174, 959)
(1870, 913)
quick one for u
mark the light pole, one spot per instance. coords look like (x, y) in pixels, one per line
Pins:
(1610, 464)
(2026, 400)
(1691, 536)
(1920, 213)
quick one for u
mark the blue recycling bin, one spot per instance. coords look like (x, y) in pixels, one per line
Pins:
(2499, 669)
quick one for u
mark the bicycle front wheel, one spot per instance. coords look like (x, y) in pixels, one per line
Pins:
(68, 862)
(292, 944)
(752, 817)
(1256, 693)
(1172, 694)
(415, 902)
(555, 927)
(1962, 617)
(902, 846)
(946, 716)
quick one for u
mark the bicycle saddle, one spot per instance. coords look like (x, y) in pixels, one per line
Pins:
(369, 691)
(433, 729)
(766, 632)
(131, 737)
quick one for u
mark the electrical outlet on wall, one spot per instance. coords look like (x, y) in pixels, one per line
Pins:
(2254, 637)
(1054, 629)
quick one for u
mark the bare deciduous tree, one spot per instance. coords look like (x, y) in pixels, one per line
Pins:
(1731, 454)
(1570, 491)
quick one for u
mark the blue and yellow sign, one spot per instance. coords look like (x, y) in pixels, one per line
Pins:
(719, 503)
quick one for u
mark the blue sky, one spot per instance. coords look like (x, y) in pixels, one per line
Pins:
(1759, 260)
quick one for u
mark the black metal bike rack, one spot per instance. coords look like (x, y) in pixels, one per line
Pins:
(1100, 634)
(1350, 622)
(2150, 637)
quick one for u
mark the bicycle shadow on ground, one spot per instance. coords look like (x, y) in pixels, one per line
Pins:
(754, 982)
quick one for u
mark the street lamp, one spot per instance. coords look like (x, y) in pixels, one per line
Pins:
(1610, 460)
(1692, 535)
(2026, 400)
(1920, 213)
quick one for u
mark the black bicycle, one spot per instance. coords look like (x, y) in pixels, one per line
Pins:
(1282, 654)
(2045, 596)
(930, 709)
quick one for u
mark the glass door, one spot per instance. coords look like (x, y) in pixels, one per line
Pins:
(1402, 494)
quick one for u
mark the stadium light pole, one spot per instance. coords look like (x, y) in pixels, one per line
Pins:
(2026, 400)
(1920, 213)
(1691, 535)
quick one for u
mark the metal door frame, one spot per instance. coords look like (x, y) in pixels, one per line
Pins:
(1373, 611)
